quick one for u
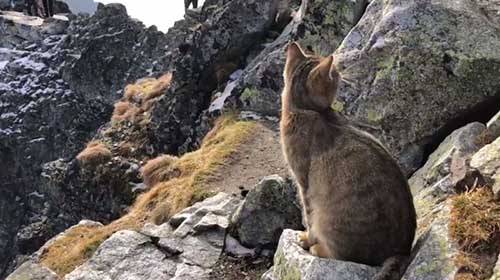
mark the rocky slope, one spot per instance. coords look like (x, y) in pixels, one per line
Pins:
(57, 86)
(423, 76)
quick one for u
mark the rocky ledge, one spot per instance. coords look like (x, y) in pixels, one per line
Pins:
(423, 76)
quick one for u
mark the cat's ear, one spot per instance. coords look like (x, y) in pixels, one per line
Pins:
(326, 68)
(294, 54)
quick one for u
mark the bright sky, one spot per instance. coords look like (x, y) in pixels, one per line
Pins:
(162, 13)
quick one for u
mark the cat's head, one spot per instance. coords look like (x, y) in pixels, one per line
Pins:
(310, 80)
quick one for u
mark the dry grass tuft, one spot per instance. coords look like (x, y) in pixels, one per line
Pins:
(484, 138)
(147, 89)
(159, 169)
(161, 213)
(167, 197)
(95, 153)
(475, 225)
(139, 98)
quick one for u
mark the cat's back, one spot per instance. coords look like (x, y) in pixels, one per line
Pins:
(356, 183)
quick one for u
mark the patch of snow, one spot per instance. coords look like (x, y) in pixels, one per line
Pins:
(9, 131)
(27, 63)
(380, 43)
(75, 56)
(8, 115)
(109, 35)
(37, 140)
(5, 87)
(220, 99)
(37, 194)
(138, 187)
(249, 115)
(3, 64)
(61, 17)
(236, 75)
(20, 18)
(27, 107)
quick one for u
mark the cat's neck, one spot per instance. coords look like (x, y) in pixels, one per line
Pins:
(289, 107)
(327, 114)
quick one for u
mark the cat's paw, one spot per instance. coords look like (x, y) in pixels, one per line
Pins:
(304, 241)
(319, 251)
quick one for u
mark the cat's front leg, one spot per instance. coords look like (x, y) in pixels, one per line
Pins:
(307, 240)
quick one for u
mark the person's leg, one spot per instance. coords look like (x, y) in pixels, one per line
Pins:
(28, 4)
(51, 7)
(195, 4)
(46, 8)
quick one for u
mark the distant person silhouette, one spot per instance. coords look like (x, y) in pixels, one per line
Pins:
(48, 7)
(40, 8)
(30, 7)
(188, 2)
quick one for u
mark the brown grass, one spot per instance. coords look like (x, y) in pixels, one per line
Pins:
(159, 169)
(95, 153)
(125, 149)
(139, 98)
(475, 226)
(147, 89)
(161, 202)
(121, 108)
(484, 138)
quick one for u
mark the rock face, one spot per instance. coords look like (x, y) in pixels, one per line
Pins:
(203, 59)
(435, 257)
(494, 126)
(319, 25)
(459, 163)
(29, 270)
(126, 254)
(186, 250)
(416, 71)
(293, 262)
(268, 209)
(17, 28)
(413, 70)
(109, 50)
(487, 162)
(53, 97)
(448, 163)
(57, 88)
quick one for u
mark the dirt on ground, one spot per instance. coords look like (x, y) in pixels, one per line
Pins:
(257, 157)
(229, 268)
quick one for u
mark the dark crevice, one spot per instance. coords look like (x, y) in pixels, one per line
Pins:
(482, 113)
(359, 10)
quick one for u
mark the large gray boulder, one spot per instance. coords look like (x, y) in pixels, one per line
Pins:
(487, 162)
(435, 256)
(107, 51)
(267, 210)
(494, 126)
(291, 262)
(126, 255)
(185, 248)
(318, 25)
(449, 162)
(16, 28)
(32, 271)
(416, 69)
